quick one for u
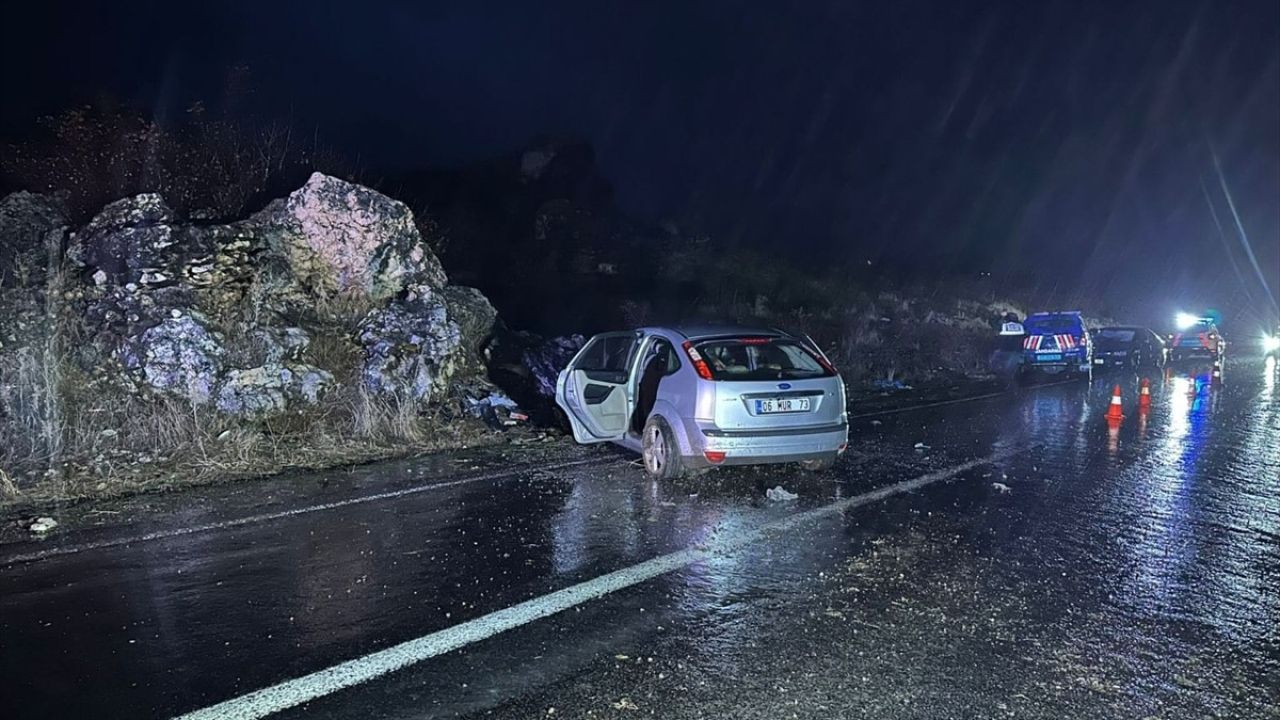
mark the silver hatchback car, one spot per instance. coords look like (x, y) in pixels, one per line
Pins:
(689, 398)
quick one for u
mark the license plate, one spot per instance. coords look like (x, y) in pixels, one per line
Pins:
(782, 405)
(1048, 358)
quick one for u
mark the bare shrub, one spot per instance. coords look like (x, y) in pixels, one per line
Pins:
(98, 153)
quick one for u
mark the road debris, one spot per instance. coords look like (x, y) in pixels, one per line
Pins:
(922, 447)
(497, 410)
(1000, 487)
(43, 525)
(780, 494)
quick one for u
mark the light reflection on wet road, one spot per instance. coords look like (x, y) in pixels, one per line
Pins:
(1157, 549)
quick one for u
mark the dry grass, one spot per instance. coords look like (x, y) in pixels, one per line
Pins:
(8, 488)
(65, 433)
(118, 443)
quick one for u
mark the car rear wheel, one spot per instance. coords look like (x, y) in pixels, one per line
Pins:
(660, 452)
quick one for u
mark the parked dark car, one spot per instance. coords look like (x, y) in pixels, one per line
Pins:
(1129, 347)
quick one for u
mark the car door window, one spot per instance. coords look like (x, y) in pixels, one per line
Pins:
(607, 358)
(663, 353)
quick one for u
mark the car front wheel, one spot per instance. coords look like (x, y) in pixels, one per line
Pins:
(660, 452)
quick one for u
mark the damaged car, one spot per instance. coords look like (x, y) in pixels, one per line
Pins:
(694, 397)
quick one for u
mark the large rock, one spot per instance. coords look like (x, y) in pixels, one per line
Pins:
(411, 348)
(545, 361)
(476, 318)
(26, 219)
(344, 239)
(128, 239)
(269, 389)
(179, 356)
(526, 367)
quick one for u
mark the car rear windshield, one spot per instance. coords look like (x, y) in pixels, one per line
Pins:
(1053, 325)
(760, 359)
(1116, 336)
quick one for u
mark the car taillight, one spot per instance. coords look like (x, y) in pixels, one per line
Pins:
(699, 365)
(824, 362)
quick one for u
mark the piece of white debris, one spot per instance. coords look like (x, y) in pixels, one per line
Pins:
(43, 525)
(921, 446)
(779, 494)
(1000, 487)
(877, 422)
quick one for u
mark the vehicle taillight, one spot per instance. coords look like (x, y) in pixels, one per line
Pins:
(824, 362)
(699, 364)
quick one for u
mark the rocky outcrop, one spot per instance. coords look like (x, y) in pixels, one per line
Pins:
(225, 314)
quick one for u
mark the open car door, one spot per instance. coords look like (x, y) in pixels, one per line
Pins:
(594, 391)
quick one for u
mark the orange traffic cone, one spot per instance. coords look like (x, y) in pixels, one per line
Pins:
(1115, 412)
(1144, 396)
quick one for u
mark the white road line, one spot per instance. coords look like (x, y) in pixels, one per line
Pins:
(291, 693)
(265, 517)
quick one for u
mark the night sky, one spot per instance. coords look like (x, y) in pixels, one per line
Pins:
(1070, 142)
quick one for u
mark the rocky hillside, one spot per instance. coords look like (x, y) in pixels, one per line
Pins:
(142, 343)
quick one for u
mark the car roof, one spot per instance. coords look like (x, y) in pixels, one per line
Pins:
(1053, 312)
(703, 331)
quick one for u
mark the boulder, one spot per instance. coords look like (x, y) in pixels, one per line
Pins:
(130, 238)
(339, 238)
(179, 356)
(526, 367)
(475, 316)
(545, 361)
(411, 348)
(25, 222)
(270, 389)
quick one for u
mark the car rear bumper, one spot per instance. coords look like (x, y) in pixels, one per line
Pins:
(761, 446)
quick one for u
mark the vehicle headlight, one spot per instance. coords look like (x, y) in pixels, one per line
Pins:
(1270, 343)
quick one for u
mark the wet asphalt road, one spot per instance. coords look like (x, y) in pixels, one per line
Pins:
(1080, 574)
